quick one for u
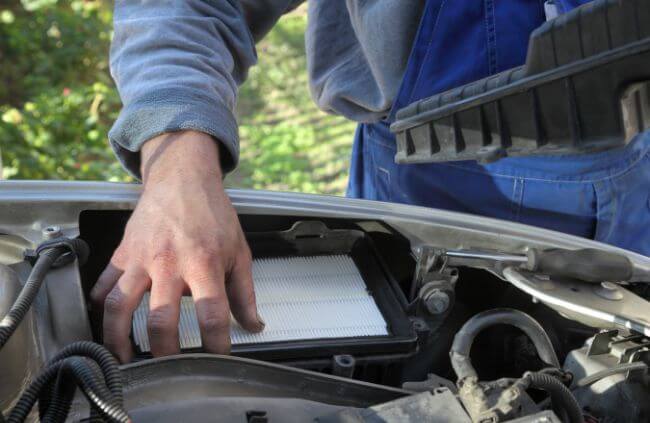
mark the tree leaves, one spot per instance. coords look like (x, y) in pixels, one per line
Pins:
(57, 103)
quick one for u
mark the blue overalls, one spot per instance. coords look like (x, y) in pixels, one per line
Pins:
(603, 196)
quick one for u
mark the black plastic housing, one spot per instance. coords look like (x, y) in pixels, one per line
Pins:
(314, 238)
(584, 88)
(310, 238)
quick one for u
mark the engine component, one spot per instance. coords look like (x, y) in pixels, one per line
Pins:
(321, 292)
(57, 317)
(431, 383)
(191, 387)
(605, 305)
(15, 357)
(438, 406)
(495, 401)
(437, 297)
(21, 356)
(54, 387)
(463, 340)
(612, 365)
(505, 399)
(434, 283)
(587, 264)
(300, 298)
(564, 403)
(343, 365)
(85, 364)
(53, 253)
(313, 284)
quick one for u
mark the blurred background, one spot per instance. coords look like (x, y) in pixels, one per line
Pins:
(57, 103)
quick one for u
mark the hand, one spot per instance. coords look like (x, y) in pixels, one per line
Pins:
(183, 235)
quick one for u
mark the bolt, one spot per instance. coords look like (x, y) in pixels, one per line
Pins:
(608, 291)
(52, 232)
(609, 286)
(437, 301)
(419, 325)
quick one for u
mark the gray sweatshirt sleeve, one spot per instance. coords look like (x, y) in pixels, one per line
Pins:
(177, 65)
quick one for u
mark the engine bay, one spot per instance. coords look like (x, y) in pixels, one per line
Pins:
(362, 326)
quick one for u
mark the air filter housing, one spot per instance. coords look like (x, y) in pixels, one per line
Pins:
(320, 292)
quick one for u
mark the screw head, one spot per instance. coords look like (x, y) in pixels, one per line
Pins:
(437, 301)
(51, 232)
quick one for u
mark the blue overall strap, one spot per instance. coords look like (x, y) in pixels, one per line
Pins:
(461, 41)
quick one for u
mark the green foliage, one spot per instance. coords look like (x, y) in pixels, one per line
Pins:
(46, 44)
(61, 136)
(287, 143)
(57, 103)
(57, 100)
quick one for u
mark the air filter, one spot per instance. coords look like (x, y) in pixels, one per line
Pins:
(321, 292)
(299, 298)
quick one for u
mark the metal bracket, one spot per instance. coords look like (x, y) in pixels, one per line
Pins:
(431, 265)
(606, 306)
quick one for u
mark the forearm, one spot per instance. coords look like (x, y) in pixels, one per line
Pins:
(178, 156)
(177, 65)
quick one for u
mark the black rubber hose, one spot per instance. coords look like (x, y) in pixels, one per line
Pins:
(617, 369)
(26, 297)
(29, 397)
(464, 339)
(107, 363)
(55, 400)
(56, 252)
(81, 372)
(564, 403)
(42, 390)
(92, 384)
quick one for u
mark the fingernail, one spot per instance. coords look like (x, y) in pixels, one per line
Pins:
(259, 319)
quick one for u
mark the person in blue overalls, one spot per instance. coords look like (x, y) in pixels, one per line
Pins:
(604, 196)
(177, 65)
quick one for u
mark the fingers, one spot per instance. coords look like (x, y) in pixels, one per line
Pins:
(119, 306)
(212, 310)
(164, 313)
(104, 285)
(241, 293)
(202, 276)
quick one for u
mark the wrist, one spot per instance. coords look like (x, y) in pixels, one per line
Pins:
(180, 156)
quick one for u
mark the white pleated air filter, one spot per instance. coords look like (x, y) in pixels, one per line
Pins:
(299, 298)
